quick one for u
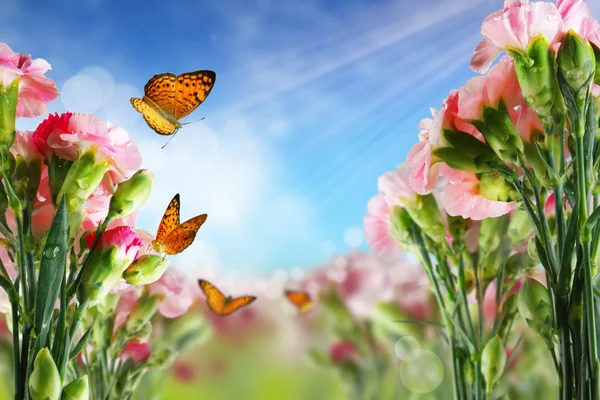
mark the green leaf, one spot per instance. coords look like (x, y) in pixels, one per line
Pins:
(79, 346)
(52, 270)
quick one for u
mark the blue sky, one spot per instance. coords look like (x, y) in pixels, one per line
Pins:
(313, 101)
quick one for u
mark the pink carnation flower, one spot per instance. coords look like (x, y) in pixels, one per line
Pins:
(462, 197)
(35, 90)
(378, 228)
(69, 135)
(24, 146)
(500, 83)
(394, 186)
(515, 27)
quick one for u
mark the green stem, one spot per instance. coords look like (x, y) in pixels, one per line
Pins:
(19, 394)
(582, 191)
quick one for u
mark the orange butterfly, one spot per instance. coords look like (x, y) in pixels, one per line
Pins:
(220, 304)
(300, 299)
(173, 237)
(168, 98)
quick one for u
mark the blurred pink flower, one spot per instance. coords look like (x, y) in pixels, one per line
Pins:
(394, 186)
(342, 351)
(461, 197)
(515, 26)
(139, 352)
(5, 306)
(125, 238)
(378, 228)
(35, 90)
(124, 307)
(176, 292)
(70, 135)
(183, 371)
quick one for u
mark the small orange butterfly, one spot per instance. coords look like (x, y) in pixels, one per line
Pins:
(218, 303)
(172, 236)
(300, 299)
(168, 98)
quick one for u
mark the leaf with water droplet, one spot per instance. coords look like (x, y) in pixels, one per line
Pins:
(51, 275)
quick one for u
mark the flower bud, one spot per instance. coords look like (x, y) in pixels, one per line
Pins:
(535, 307)
(576, 61)
(401, 224)
(138, 352)
(499, 132)
(597, 57)
(493, 360)
(131, 194)
(83, 178)
(162, 359)
(58, 168)
(425, 213)
(77, 390)
(146, 269)
(44, 381)
(535, 72)
(491, 233)
(519, 227)
(116, 250)
(495, 187)
(145, 307)
(343, 351)
(8, 116)
(519, 263)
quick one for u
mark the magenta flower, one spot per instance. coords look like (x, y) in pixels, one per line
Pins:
(123, 237)
(70, 135)
(378, 228)
(139, 352)
(342, 351)
(35, 90)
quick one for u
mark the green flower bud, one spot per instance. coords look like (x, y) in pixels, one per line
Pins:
(535, 307)
(26, 177)
(146, 269)
(519, 227)
(44, 381)
(83, 178)
(58, 168)
(401, 224)
(519, 263)
(499, 132)
(576, 61)
(495, 187)
(537, 164)
(493, 361)
(535, 72)
(9, 97)
(162, 359)
(597, 58)
(187, 331)
(491, 233)
(144, 309)
(425, 213)
(468, 153)
(131, 194)
(77, 390)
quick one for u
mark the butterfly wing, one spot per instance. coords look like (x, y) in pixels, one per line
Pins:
(301, 300)
(191, 90)
(235, 304)
(153, 117)
(214, 298)
(183, 236)
(170, 219)
(162, 89)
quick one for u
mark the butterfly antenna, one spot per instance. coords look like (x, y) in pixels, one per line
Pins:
(171, 138)
(193, 122)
